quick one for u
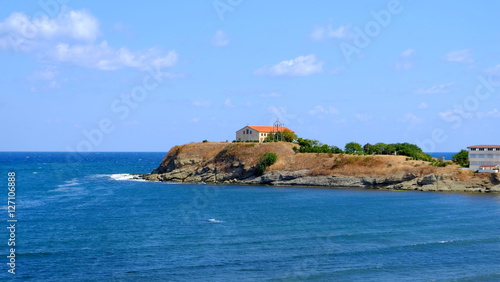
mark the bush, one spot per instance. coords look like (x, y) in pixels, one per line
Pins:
(265, 161)
(205, 141)
(462, 158)
(439, 163)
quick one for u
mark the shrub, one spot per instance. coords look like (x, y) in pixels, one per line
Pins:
(205, 141)
(265, 161)
(462, 158)
(439, 163)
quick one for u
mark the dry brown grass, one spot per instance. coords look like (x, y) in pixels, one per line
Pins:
(212, 152)
(464, 175)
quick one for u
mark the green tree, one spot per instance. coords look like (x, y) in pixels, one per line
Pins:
(390, 149)
(289, 136)
(304, 142)
(411, 150)
(270, 137)
(265, 161)
(462, 158)
(335, 150)
(379, 148)
(353, 148)
(368, 149)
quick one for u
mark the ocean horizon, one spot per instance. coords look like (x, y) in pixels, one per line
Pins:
(86, 218)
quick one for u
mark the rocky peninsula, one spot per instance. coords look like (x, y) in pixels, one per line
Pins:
(237, 163)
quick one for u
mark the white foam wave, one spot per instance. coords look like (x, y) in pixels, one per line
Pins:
(69, 183)
(69, 189)
(124, 176)
(67, 186)
(214, 220)
(30, 203)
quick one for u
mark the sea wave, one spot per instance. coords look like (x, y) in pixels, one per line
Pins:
(68, 191)
(214, 220)
(69, 183)
(68, 186)
(124, 176)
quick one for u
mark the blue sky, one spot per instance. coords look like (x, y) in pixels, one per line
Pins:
(130, 76)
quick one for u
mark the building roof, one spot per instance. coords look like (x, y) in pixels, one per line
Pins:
(488, 165)
(267, 129)
(485, 146)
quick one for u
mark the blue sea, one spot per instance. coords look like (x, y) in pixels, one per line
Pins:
(84, 219)
(443, 155)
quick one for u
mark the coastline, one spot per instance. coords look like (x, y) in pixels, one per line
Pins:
(229, 163)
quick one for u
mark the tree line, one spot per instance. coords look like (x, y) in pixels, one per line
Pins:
(402, 149)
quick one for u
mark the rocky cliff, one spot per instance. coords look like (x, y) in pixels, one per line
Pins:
(237, 162)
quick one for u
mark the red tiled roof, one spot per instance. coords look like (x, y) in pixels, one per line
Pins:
(488, 165)
(267, 129)
(485, 146)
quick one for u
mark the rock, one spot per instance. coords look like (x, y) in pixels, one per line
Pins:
(428, 180)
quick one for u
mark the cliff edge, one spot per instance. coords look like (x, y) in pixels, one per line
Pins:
(237, 163)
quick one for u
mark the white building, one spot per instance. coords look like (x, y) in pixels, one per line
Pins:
(257, 133)
(484, 155)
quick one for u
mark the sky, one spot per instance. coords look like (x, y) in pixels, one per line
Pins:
(145, 76)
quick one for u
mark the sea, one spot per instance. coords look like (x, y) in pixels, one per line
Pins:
(83, 217)
(447, 156)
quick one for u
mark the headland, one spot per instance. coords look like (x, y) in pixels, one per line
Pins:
(238, 163)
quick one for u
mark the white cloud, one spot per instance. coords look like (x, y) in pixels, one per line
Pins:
(494, 74)
(271, 95)
(70, 38)
(102, 56)
(337, 70)
(423, 106)
(435, 89)
(405, 61)
(201, 103)
(220, 39)
(228, 103)
(495, 113)
(412, 118)
(280, 113)
(448, 115)
(324, 110)
(26, 34)
(363, 117)
(408, 53)
(403, 66)
(48, 73)
(300, 66)
(44, 78)
(494, 70)
(460, 56)
(194, 120)
(320, 33)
